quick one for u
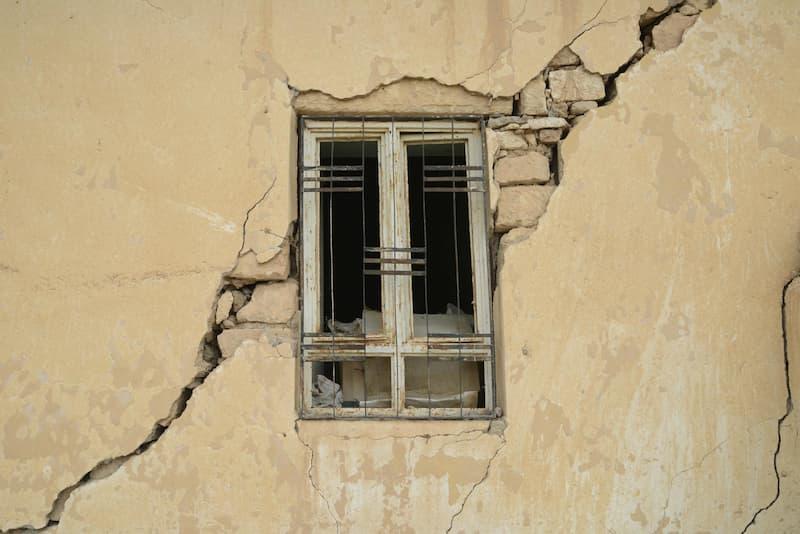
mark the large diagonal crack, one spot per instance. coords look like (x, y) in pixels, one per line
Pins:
(108, 466)
(789, 407)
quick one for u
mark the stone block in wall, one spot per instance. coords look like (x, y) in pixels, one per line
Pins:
(540, 123)
(576, 84)
(269, 337)
(508, 140)
(669, 32)
(270, 303)
(521, 205)
(565, 58)
(550, 136)
(532, 100)
(224, 305)
(560, 109)
(249, 270)
(527, 169)
(499, 122)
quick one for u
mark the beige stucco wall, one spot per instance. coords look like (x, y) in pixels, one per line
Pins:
(641, 348)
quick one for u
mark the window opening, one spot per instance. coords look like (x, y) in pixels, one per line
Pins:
(396, 318)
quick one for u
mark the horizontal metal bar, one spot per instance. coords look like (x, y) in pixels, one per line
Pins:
(334, 179)
(333, 346)
(394, 273)
(333, 168)
(390, 249)
(453, 178)
(333, 189)
(452, 167)
(338, 358)
(453, 358)
(459, 335)
(411, 117)
(334, 335)
(451, 190)
(457, 346)
(403, 261)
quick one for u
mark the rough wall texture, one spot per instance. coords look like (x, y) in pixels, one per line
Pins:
(642, 339)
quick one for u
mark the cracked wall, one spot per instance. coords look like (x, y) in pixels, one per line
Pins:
(148, 148)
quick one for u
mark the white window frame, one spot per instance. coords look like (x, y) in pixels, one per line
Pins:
(397, 341)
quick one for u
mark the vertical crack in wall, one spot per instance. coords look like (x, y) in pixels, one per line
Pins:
(789, 407)
(496, 427)
(310, 476)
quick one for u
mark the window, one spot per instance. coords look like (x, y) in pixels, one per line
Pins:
(396, 305)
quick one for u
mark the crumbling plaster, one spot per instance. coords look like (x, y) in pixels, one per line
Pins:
(641, 341)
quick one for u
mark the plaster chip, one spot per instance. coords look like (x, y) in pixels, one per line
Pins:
(688, 9)
(510, 141)
(521, 205)
(224, 305)
(528, 169)
(565, 58)
(271, 303)
(606, 47)
(248, 269)
(669, 32)
(229, 340)
(423, 96)
(532, 99)
(576, 84)
(582, 106)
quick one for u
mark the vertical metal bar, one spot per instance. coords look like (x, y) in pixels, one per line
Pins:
(486, 210)
(363, 268)
(396, 298)
(425, 247)
(299, 258)
(333, 301)
(455, 250)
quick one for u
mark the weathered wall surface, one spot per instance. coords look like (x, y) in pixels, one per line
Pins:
(641, 343)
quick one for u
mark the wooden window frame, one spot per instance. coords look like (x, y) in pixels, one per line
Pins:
(396, 341)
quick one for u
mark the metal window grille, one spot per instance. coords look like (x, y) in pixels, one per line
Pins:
(395, 261)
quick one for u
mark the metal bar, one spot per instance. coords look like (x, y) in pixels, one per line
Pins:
(452, 190)
(440, 178)
(425, 244)
(404, 261)
(332, 190)
(489, 258)
(385, 118)
(363, 276)
(393, 273)
(455, 251)
(459, 335)
(452, 167)
(334, 179)
(331, 167)
(333, 300)
(393, 249)
(340, 357)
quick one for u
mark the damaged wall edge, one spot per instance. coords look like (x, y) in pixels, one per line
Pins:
(792, 286)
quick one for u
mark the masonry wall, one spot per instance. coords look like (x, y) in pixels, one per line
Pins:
(647, 331)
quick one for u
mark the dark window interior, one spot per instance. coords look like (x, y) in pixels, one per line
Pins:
(443, 230)
(352, 229)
